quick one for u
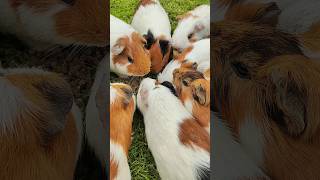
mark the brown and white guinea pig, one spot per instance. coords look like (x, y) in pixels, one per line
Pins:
(122, 108)
(128, 55)
(152, 21)
(230, 160)
(192, 26)
(40, 126)
(194, 92)
(50, 22)
(179, 145)
(275, 116)
(96, 113)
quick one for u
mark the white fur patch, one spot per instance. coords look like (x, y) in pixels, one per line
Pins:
(154, 18)
(200, 53)
(167, 73)
(201, 16)
(118, 155)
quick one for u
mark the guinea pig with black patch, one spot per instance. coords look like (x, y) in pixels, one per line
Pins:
(179, 145)
(192, 26)
(128, 55)
(40, 126)
(152, 21)
(42, 23)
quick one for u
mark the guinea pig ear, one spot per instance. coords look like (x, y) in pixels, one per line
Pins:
(119, 47)
(101, 100)
(200, 94)
(290, 110)
(60, 100)
(268, 14)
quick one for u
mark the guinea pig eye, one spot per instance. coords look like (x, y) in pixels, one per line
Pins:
(190, 36)
(130, 60)
(69, 2)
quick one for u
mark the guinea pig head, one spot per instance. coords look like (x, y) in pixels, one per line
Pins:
(160, 51)
(281, 99)
(122, 107)
(129, 56)
(64, 22)
(37, 120)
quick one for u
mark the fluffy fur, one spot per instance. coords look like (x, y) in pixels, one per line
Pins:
(41, 131)
(167, 121)
(128, 56)
(153, 23)
(45, 23)
(192, 26)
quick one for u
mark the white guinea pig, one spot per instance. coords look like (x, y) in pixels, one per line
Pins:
(40, 126)
(128, 56)
(152, 21)
(192, 26)
(96, 113)
(179, 145)
(48, 22)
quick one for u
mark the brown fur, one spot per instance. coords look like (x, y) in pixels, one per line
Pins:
(27, 153)
(228, 2)
(184, 16)
(135, 50)
(85, 22)
(181, 57)
(254, 12)
(158, 61)
(289, 152)
(121, 114)
(311, 38)
(192, 134)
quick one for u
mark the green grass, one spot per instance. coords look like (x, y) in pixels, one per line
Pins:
(141, 162)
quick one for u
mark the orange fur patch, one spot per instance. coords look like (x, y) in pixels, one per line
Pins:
(181, 57)
(192, 134)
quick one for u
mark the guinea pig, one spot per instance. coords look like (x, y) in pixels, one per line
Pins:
(128, 56)
(96, 113)
(179, 145)
(152, 21)
(230, 161)
(40, 126)
(167, 73)
(194, 92)
(122, 107)
(274, 115)
(192, 26)
(64, 22)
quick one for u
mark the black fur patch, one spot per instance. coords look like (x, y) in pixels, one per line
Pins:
(241, 70)
(204, 173)
(164, 44)
(276, 114)
(150, 39)
(169, 86)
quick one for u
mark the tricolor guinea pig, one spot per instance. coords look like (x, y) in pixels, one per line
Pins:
(122, 107)
(274, 115)
(96, 113)
(151, 20)
(194, 92)
(49, 22)
(179, 145)
(230, 160)
(192, 26)
(167, 73)
(128, 55)
(40, 126)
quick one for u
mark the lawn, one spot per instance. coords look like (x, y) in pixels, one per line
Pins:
(141, 162)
